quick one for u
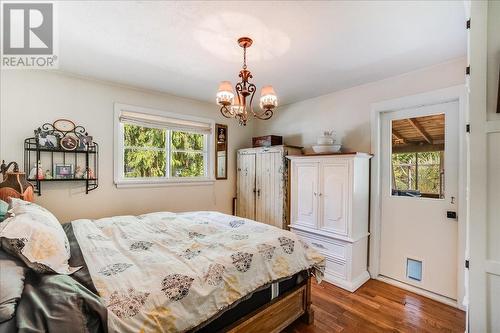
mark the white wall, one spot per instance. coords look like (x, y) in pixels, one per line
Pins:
(348, 111)
(31, 98)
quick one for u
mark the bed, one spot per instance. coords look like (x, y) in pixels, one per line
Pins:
(167, 272)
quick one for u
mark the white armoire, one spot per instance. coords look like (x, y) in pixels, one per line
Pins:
(329, 201)
(262, 183)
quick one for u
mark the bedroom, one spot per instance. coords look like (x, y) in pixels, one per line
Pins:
(114, 112)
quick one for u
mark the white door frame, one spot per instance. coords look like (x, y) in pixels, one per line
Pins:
(455, 93)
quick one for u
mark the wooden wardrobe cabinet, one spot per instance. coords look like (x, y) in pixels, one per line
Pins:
(262, 184)
(329, 202)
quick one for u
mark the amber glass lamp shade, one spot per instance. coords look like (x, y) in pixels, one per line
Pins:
(225, 94)
(268, 98)
(15, 185)
(236, 108)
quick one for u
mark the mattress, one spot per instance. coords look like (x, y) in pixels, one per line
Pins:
(221, 320)
(57, 303)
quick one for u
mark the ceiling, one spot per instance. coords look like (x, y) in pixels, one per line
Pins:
(303, 48)
(425, 133)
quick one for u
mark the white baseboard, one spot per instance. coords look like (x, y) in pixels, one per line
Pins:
(422, 292)
(347, 285)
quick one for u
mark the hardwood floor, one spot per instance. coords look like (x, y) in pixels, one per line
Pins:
(377, 307)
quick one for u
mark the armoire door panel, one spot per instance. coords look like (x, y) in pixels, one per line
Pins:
(306, 204)
(269, 185)
(246, 185)
(334, 196)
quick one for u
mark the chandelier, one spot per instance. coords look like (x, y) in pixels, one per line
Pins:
(241, 107)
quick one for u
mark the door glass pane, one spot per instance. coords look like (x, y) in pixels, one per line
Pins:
(418, 157)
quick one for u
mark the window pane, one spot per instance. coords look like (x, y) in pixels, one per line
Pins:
(144, 163)
(428, 179)
(187, 164)
(139, 136)
(187, 141)
(404, 172)
(418, 156)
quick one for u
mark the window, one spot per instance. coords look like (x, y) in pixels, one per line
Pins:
(154, 147)
(418, 174)
(417, 158)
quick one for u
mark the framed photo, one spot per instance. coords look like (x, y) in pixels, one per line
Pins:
(45, 140)
(69, 142)
(85, 142)
(63, 171)
(221, 133)
(221, 151)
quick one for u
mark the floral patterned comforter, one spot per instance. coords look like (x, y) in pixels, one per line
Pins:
(167, 272)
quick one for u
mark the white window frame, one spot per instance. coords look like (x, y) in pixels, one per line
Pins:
(119, 177)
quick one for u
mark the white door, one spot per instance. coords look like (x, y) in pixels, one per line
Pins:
(269, 203)
(246, 186)
(305, 197)
(334, 195)
(419, 187)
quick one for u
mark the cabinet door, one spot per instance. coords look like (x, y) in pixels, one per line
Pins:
(335, 196)
(269, 184)
(305, 194)
(246, 186)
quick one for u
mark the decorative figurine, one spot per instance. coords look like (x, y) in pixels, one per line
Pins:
(35, 170)
(90, 173)
(48, 174)
(79, 172)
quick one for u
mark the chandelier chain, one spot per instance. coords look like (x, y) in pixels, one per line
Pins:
(244, 58)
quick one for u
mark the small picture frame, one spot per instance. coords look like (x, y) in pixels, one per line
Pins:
(221, 133)
(69, 142)
(221, 151)
(46, 140)
(63, 171)
(85, 142)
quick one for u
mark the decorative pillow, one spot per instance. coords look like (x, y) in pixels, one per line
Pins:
(12, 276)
(4, 207)
(34, 235)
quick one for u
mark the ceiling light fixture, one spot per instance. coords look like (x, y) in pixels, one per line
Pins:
(241, 108)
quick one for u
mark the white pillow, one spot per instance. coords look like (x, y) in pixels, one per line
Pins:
(34, 235)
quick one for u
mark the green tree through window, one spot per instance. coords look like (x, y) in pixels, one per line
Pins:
(147, 150)
(419, 172)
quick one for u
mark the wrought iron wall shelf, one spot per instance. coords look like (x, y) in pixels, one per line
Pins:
(87, 158)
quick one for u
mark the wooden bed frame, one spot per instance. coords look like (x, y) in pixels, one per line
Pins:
(279, 313)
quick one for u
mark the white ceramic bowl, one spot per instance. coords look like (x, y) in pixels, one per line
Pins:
(325, 140)
(326, 148)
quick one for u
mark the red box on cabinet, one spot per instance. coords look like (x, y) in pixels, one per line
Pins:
(266, 141)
